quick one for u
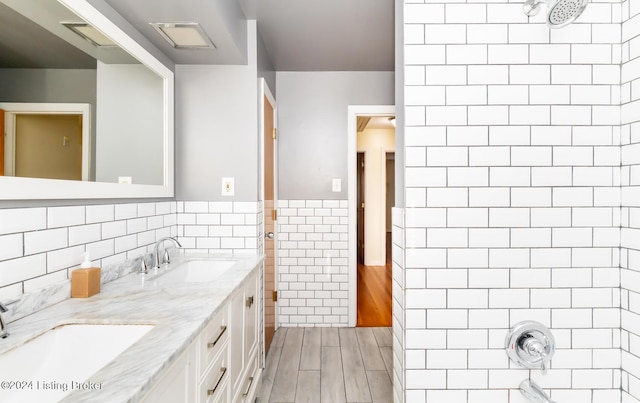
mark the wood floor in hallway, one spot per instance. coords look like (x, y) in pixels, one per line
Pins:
(374, 295)
(332, 365)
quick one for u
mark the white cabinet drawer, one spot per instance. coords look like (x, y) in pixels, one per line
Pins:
(223, 396)
(214, 383)
(213, 339)
(251, 382)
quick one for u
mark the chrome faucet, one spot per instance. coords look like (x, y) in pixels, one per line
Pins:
(533, 392)
(3, 326)
(156, 251)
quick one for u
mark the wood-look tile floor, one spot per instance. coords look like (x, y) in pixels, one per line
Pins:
(332, 365)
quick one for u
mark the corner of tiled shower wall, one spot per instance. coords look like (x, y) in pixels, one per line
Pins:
(40, 246)
(220, 227)
(630, 222)
(313, 262)
(397, 235)
(512, 199)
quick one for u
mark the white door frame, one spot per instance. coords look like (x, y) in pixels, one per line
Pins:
(264, 91)
(18, 108)
(352, 142)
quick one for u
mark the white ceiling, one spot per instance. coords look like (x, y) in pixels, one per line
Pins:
(333, 35)
(300, 35)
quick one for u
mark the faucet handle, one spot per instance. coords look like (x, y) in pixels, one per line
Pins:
(143, 267)
(531, 345)
(166, 259)
(3, 308)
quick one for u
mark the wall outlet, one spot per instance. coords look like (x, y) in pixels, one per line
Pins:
(336, 185)
(126, 180)
(228, 187)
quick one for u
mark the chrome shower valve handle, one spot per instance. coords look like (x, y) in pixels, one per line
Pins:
(530, 344)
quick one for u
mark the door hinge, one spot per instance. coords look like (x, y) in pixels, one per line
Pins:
(274, 214)
(275, 296)
(274, 133)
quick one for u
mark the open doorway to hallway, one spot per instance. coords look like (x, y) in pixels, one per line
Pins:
(375, 198)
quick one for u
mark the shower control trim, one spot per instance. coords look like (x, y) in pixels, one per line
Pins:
(531, 345)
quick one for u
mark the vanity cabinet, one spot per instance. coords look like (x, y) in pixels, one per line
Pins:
(176, 385)
(222, 364)
(244, 341)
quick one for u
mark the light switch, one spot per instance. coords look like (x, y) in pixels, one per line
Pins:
(228, 188)
(336, 185)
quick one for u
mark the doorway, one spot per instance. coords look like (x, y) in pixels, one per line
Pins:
(375, 197)
(269, 169)
(360, 204)
(46, 140)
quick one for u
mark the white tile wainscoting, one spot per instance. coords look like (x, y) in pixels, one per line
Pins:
(313, 280)
(220, 227)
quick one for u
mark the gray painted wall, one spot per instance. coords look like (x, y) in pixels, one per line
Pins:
(265, 66)
(312, 127)
(129, 124)
(52, 85)
(216, 131)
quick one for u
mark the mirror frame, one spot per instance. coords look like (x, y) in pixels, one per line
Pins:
(18, 188)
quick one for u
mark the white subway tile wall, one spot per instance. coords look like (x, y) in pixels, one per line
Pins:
(513, 200)
(40, 246)
(630, 182)
(313, 262)
(220, 227)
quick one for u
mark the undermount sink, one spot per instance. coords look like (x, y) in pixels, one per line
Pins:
(58, 361)
(194, 271)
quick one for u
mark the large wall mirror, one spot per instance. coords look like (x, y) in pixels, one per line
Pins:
(87, 112)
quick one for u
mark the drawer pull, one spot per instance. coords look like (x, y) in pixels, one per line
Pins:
(249, 301)
(246, 392)
(212, 344)
(212, 391)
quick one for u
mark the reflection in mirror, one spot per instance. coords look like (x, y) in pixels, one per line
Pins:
(120, 136)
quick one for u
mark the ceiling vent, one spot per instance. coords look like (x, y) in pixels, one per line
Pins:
(184, 35)
(89, 33)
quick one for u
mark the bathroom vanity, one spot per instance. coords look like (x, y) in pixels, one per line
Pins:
(222, 364)
(203, 345)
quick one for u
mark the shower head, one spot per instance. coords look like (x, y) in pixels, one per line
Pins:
(560, 13)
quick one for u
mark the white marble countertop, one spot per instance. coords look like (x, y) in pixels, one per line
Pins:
(179, 312)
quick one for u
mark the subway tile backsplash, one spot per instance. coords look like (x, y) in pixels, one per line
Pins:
(40, 246)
